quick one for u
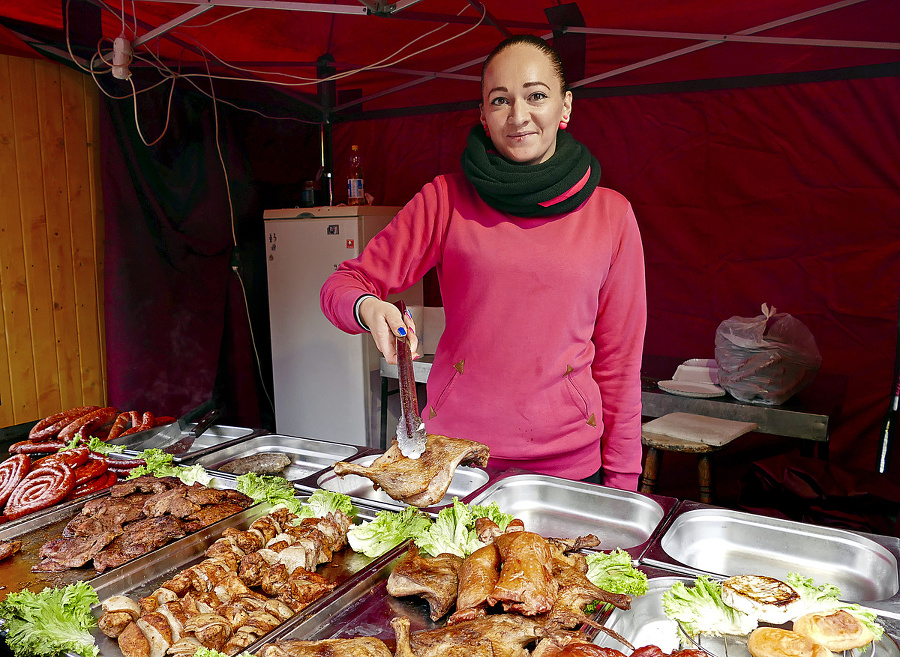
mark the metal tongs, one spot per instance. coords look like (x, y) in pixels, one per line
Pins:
(410, 428)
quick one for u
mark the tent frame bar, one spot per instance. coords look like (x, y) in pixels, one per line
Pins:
(275, 4)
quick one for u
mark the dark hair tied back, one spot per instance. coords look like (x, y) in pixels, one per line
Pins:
(535, 42)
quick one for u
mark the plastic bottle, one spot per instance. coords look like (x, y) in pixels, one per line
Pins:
(356, 190)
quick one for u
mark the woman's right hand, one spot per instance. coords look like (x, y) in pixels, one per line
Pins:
(386, 323)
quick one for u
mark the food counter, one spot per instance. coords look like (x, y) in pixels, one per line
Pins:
(668, 539)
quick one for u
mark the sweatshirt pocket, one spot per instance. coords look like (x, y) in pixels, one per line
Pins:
(578, 397)
(445, 390)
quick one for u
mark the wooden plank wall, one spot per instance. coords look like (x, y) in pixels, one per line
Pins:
(52, 352)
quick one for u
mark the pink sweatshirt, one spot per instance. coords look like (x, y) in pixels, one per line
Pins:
(541, 354)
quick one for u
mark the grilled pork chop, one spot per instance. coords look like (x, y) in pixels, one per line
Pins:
(423, 481)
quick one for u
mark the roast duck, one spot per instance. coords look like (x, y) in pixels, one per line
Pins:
(418, 467)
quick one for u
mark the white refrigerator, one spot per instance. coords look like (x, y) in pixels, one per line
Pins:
(327, 383)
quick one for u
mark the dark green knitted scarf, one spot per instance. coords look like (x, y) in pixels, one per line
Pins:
(558, 185)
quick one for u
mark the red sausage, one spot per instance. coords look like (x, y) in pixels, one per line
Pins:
(119, 425)
(28, 447)
(96, 420)
(47, 428)
(135, 423)
(71, 429)
(105, 480)
(41, 488)
(90, 470)
(71, 457)
(163, 419)
(123, 464)
(12, 471)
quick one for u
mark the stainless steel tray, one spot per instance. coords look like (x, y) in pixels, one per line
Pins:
(552, 506)
(34, 531)
(142, 576)
(213, 437)
(465, 483)
(705, 539)
(307, 456)
(364, 608)
(646, 624)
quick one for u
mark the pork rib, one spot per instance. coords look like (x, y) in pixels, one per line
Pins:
(423, 481)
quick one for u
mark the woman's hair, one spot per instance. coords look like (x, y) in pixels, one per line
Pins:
(535, 42)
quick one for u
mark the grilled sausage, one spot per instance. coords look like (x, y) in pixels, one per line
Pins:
(28, 447)
(41, 488)
(12, 471)
(47, 428)
(72, 428)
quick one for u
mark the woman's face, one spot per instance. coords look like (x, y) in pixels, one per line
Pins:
(522, 104)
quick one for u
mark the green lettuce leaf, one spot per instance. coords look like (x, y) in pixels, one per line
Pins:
(51, 622)
(700, 609)
(615, 573)
(453, 531)
(824, 599)
(323, 502)
(388, 530)
(100, 447)
(278, 491)
(160, 464)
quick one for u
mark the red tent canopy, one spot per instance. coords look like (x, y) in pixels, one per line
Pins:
(429, 52)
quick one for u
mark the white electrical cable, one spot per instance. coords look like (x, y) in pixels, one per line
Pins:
(137, 123)
(303, 80)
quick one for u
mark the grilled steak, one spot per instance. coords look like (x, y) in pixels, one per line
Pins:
(106, 514)
(173, 502)
(144, 484)
(266, 463)
(64, 553)
(139, 538)
(139, 515)
(207, 515)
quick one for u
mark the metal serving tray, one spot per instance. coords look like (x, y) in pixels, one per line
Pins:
(646, 624)
(142, 576)
(216, 436)
(307, 456)
(364, 608)
(552, 506)
(706, 539)
(34, 531)
(211, 438)
(466, 481)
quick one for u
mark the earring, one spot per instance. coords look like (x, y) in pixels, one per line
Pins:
(487, 133)
(563, 124)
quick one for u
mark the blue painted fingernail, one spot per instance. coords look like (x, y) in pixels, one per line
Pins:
(401, 332)
(408, 314)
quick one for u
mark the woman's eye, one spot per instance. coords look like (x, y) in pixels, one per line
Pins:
(538, 95)
(498, 101)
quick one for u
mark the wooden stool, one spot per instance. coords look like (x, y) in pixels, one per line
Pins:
(658, 444)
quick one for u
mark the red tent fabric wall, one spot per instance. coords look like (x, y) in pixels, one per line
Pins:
(788, 195)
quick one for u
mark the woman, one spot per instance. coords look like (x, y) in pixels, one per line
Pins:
(542, 279)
